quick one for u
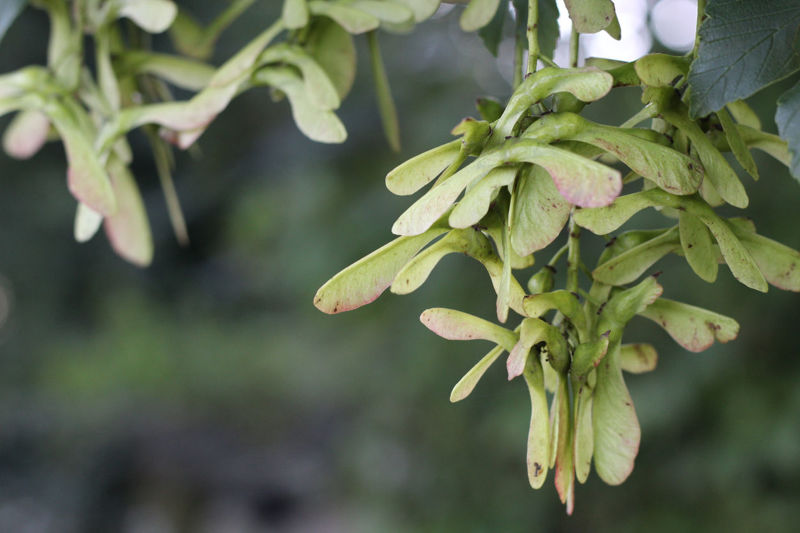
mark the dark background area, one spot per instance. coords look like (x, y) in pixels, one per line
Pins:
(207, 394)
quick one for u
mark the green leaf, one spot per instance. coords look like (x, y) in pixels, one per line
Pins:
(128, 230)
(459, 326)
(629, 265)
(492, 33)
(538, 445)
(698, 246)
(466, 384)
(9, 11)
(580, 181)
(787, 117)
(353, 20)
(334, 50)
(317, 124)
(476, 202)
(737, 143)
(744, 46)
(26, 134)
(365, 280)
(540, 212)
(616, 428)
(295, 13)
(388, 111)
(590, 16)
(638, 358)
(490, 109)
(478, 14)
(410, 176)
(692, 327)
(153, 16)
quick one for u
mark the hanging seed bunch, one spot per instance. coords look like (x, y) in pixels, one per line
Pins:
(507, 188)
(91, 103)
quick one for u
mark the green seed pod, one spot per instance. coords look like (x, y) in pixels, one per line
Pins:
(567, 102)
(542, 281)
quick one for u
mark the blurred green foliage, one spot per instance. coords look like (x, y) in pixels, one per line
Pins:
(207, 394)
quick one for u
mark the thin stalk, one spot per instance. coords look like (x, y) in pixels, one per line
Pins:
(574, 47)
(224, 19)
(163, 157)
(573, 255)
(547, 61)
(388, 111)
(648, 111)
(556, 256)
(533, 35)
(519, 48)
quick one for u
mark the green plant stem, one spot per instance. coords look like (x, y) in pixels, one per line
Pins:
(648, 111)
(519, 48)
(556, 256)
(701, 11)
(573, 255)
(162, 157)
(386, 105)
(533, 35)
(574, 47)
(224, 19)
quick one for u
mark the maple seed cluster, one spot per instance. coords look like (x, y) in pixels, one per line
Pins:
(508, 187)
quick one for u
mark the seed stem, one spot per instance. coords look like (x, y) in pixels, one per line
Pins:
(533, 35)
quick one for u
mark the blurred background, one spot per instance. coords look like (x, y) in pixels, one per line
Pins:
(207, 394)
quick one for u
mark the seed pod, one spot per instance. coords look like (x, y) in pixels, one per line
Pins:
(542, 281)
(538, 432)
(627, 266)
(616, 427)
(466, 384)
(365, 280)
(407, 178)
(692, 327)
(588, 355)
(698, 247)
(638, 358)
(478, 14)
